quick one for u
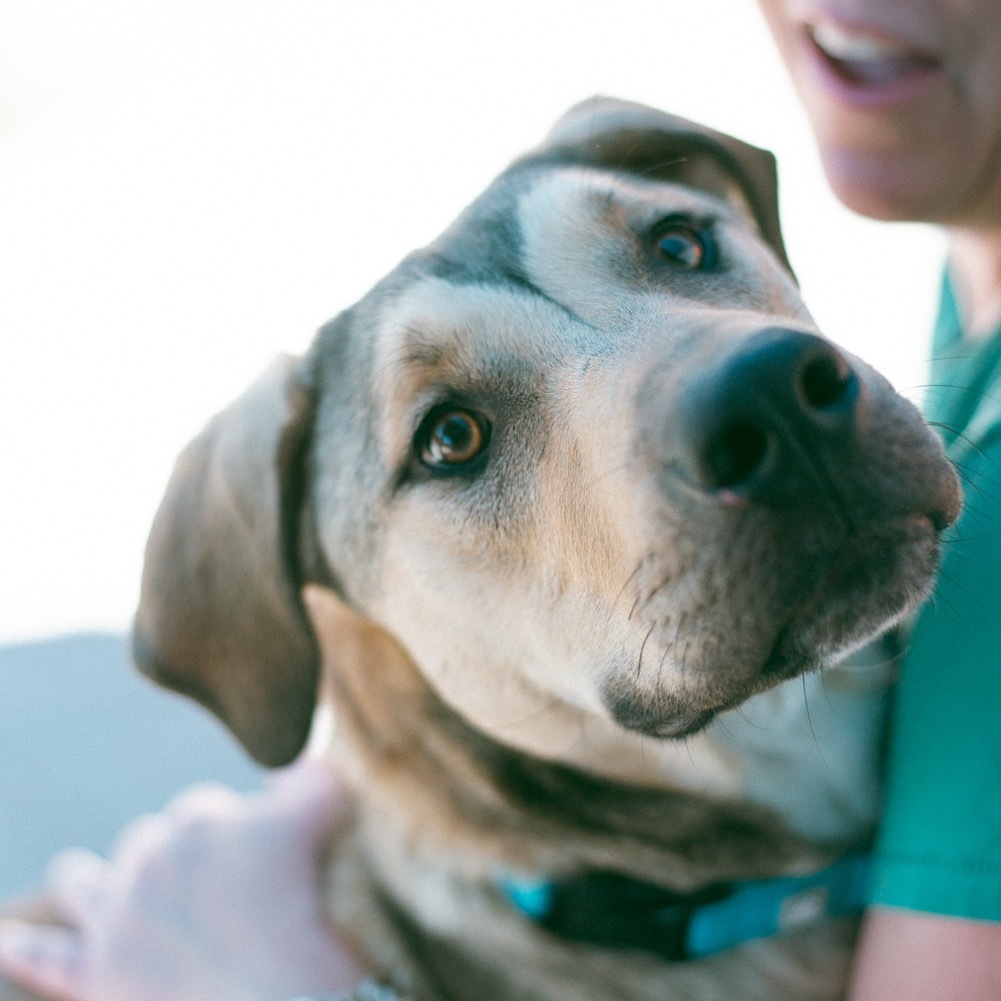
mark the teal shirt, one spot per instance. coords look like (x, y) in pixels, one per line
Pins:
(939, 848)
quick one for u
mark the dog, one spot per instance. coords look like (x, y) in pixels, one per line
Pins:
(561, 523)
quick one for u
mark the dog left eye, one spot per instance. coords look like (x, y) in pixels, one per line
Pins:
(453, 438)
(685, 245)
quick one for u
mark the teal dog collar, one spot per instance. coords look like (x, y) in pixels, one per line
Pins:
(611, 910)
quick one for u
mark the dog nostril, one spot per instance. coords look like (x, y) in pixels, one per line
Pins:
(734, 455)
(758, 423)
(826, 381)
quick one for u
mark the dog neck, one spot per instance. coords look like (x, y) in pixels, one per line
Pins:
(448, 786)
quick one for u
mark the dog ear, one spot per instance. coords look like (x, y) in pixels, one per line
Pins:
(624, 136)
(220, 617)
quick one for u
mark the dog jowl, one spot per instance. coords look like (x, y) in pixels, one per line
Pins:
(584, 461)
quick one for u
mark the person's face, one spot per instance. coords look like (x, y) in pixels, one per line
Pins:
(905, 100)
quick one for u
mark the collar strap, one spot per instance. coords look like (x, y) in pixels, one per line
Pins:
(611, 910)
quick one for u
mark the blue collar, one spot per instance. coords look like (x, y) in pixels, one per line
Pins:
(612, 910)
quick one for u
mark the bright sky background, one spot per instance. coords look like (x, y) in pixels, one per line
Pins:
(188, 188)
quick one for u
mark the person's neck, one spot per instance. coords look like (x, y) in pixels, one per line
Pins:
(975, 269)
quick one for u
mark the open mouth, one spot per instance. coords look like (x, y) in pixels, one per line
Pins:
(869, 66)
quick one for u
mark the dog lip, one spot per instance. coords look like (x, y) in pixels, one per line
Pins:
(781, 664)
(919, 524)
(680, 726)
(792, 651)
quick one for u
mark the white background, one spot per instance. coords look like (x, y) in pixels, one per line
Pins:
(187, 188)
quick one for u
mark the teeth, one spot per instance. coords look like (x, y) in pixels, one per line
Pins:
(854, 46)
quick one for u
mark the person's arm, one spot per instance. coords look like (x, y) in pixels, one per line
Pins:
(218, 897)
(926, 957)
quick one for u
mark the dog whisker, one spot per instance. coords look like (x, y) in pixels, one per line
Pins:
(740, 712)
(942, 603)
(825, 689)
(957, 388)
(534, 714)
(653, 594)
(962, 437)
(691, 757)
(660, 671)
(809, 719)
(722, 725)
(663, 661)
(632, 576)
(639, 662)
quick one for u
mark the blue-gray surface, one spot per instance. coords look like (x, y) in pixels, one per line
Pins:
(86, 744)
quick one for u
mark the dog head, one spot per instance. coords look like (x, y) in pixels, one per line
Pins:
(585, 457)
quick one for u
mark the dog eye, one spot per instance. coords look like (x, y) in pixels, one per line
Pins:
(685, 246)
(453, 438)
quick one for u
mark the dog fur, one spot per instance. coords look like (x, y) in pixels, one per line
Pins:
(591, 645)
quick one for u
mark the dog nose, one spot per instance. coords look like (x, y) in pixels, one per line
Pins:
(762, 424)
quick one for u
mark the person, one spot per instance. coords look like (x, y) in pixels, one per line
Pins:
(905, 100)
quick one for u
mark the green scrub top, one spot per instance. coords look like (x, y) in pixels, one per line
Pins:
(939, 847)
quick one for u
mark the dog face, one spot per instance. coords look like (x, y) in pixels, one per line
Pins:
(585, 457)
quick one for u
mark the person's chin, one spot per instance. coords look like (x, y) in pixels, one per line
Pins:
(888, 187)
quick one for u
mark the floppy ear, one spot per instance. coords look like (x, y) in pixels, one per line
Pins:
(606, 132)
(220, 617)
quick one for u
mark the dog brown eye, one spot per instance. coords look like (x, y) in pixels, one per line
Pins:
(455, 438)
(685, 247)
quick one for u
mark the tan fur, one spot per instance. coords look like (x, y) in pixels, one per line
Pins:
(394, 750)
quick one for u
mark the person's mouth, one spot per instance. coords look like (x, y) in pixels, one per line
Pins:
(869, 68)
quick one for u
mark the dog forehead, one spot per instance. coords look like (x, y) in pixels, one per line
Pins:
(526, 253)
(584, 237)
(569, 202)
(445, 331)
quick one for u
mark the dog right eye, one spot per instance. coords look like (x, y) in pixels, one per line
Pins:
(685, 244)
(450, 440)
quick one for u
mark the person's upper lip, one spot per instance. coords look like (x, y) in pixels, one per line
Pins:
(870, 56)
(842, 32)
(853, 44)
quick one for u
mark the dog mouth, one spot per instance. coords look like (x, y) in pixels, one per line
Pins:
(786, 660)
(680, 726)
(652, 718)
(860, 591)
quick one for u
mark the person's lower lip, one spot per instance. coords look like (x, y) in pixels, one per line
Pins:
(885, 85)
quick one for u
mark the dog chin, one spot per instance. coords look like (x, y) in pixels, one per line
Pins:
(681, 726)
(652, 718)
(671, 717)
